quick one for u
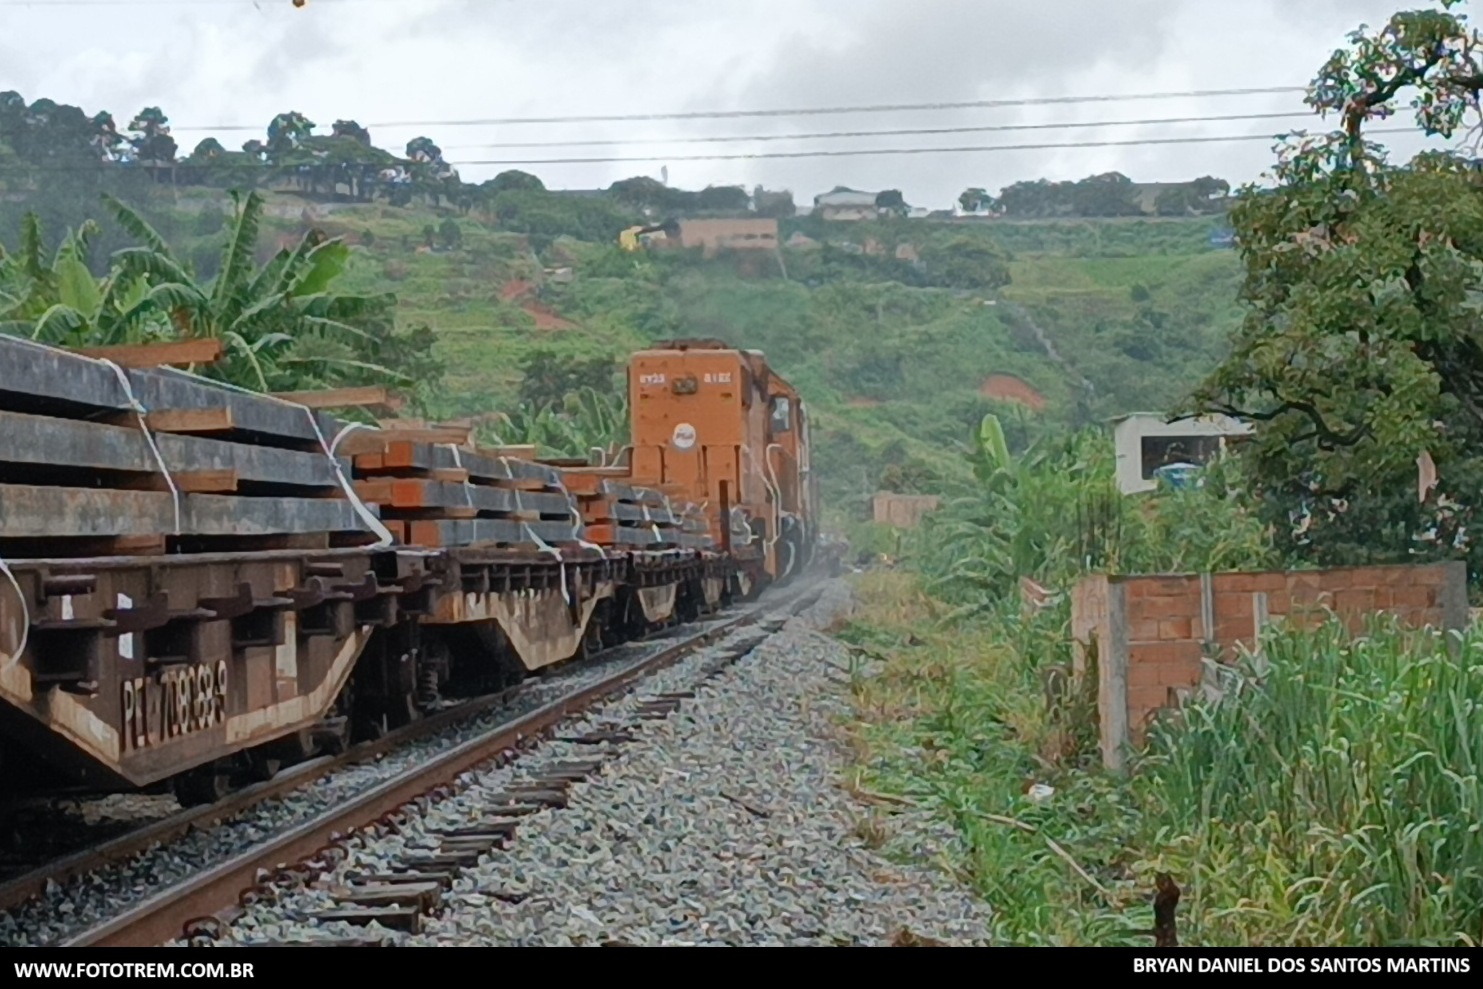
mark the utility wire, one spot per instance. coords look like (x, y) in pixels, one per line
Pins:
(864, 152)
(822, 153)
(826, 135)
(804, 112)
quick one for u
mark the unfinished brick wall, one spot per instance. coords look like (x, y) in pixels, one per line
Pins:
(1151, 633)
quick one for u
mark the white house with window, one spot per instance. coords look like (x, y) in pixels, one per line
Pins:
(1146, 443)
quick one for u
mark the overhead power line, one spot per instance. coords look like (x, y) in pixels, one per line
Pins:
(903, 132)
(867, 152)
(748, 156)
(801, 112)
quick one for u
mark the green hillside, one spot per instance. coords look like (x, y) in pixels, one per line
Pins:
(895, 373)
(1099, 316)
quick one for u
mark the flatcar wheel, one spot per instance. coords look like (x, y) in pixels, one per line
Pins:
(263, 767)
(371, 727)
(204, 785)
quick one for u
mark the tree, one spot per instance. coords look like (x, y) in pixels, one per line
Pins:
(352, 130)
(153, 146)
(966, 263)
(727, 198)
(1210, 189)
(975, 200)
(1362, 350)
(450, 233)
(422, 149)
(891, 201)
(1177, 200)
(512, 180)
(286, 132)
(1109, 194)
(1036, 199)
(546, 377)
(775, 203)
(641, 192)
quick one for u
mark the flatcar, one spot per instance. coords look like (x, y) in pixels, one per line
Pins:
(202, 585)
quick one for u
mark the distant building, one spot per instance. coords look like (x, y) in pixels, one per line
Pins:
(801, 242)
(846, 204)
(1145, 443)
(712, 235)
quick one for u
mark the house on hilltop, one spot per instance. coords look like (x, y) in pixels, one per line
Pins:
(717, 234)
(846, 204)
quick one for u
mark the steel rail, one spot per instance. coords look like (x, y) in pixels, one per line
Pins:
(19, 889)
(16, 891)
(221, 891)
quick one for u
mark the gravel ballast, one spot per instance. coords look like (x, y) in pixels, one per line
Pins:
(724, 824)
(70, 907)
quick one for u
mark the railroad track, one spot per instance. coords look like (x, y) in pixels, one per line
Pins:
(210, 898)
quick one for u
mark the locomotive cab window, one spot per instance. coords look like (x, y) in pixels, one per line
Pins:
(782, 414)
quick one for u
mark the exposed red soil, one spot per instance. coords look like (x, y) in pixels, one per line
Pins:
(1008, 388)
(544, 318)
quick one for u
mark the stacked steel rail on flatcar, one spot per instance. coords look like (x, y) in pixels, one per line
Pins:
(202, 583)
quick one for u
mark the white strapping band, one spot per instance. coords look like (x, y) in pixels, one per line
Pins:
(141, 412)
(383, 534)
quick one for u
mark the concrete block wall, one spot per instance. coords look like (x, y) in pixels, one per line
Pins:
(1150, 634)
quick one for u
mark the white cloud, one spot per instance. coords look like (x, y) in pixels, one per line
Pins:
(446, 60)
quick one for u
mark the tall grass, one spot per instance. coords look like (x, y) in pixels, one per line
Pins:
(1335, 799)
(1331, 796)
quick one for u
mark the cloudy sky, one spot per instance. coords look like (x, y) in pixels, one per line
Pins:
(439, 67)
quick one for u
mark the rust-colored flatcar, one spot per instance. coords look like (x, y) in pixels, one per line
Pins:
(200, 584)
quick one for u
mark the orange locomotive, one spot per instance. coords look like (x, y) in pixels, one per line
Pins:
(716, 427)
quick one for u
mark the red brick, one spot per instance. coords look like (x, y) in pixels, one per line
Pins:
(1144, 630)
(1355, 601)
(1141, 700)
(1304, 579)
(1177, 628)
(1229, 605)
(1160, 608)
(1414, 597)
(1164, 675)
(1271, 582)
(1144, 587)
(1248, 583)
(1331, 580)
(1163, 652)
(1384, 597)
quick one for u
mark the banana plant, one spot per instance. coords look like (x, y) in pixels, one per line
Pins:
(282, 326)
(584, 420)
(59, 301)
